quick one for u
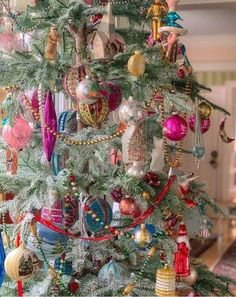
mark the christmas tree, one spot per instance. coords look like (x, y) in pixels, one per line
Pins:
(93, 200)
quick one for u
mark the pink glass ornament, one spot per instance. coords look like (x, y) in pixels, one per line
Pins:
(18, 135)
(175, 128)
(205, 124)
(113, 94)
(50, 120)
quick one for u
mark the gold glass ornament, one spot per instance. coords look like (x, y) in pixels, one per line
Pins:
(191, 279)
(21, 263)
(146, 196)
(204, 110)
(165, 282)
(142, 237)
(136, 64)
(129, 289)
(94, 114)
(53, 38)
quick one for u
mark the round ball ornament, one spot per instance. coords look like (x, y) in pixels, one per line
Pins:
(63, 266)
(103, 212)
(165, 282)
(152, 179)
(205, 124)
(18, 135)
(143, 235)
(21, 263)
(137, 170)
(87, 91)
(113, 94)
(191, 279)
(73, 77)
(113, 271)
(127, 206)
(175, 128)
(131, 111)
(204, 110)
(94, 114)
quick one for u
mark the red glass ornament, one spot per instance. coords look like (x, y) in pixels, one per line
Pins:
(190, 203)
(112, 230)
(152, 179)
(205, 124)
(73, 286)
(175, 128)
(127, 206)
(72, 178)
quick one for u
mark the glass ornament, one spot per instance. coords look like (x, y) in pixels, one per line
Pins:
(131, 111)
(165, 282)
(175, 128)
(143, 235)
(18, 135)
(87, 91)
(112, 92)
(113, 271)
(138, 169)
(127, 206)
(204, 110)
(205, 124)
(136, 64)
(21, 263)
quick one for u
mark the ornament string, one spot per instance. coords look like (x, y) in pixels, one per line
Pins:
(146, 214)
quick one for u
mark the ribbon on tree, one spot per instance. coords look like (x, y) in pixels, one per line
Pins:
(147, 213)
(20, 288)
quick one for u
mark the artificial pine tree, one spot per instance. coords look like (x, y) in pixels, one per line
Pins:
(130, 92)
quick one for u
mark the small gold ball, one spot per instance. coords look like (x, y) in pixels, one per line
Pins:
(146, 196)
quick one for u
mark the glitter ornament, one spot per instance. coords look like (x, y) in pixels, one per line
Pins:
(127, 206)
(152, 179)
(18, 135)
(116, 194)
(87, 91)
(73, 286)
(175, 128)
(205, 124)
(113, 271)
(165, 282)
(136, 64)
(131, 112)
(21, 263)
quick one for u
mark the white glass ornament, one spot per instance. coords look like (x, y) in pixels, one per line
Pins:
(138, 169)
(131, 112)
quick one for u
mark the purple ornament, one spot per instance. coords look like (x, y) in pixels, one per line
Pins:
(35, 101)
(113, 94)
(50, 120)
(116, 195)
(205, 124)
(175, 128)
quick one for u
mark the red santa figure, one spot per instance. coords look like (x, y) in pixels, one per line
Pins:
(181, 261)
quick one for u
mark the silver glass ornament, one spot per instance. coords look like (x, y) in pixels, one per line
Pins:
(131, 112)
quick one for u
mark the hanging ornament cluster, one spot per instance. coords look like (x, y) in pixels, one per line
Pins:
(21, 263)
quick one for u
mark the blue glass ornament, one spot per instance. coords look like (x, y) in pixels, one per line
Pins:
(103, 211)
(171, 18)
(65, 267)
(2, 259)
(199, 151)
(143, 235)
(113, 271)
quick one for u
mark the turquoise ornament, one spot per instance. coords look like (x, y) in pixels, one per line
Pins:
(112, 271)
(64, 266)
(103, 212)
(171, 19)
(198, 151)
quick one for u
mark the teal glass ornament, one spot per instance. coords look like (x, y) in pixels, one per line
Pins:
(199, 151)
(171, 18)
(112, 271)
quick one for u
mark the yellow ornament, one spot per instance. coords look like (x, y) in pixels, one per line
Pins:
(142, 237)
(21, 263)
(205, 110)
(136, 64)
(165, 282)
(6, 240)
(129, 289)
(94, 114)
(2, 196)
(146, 196)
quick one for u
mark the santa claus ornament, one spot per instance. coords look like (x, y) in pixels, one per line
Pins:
(181, 261)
